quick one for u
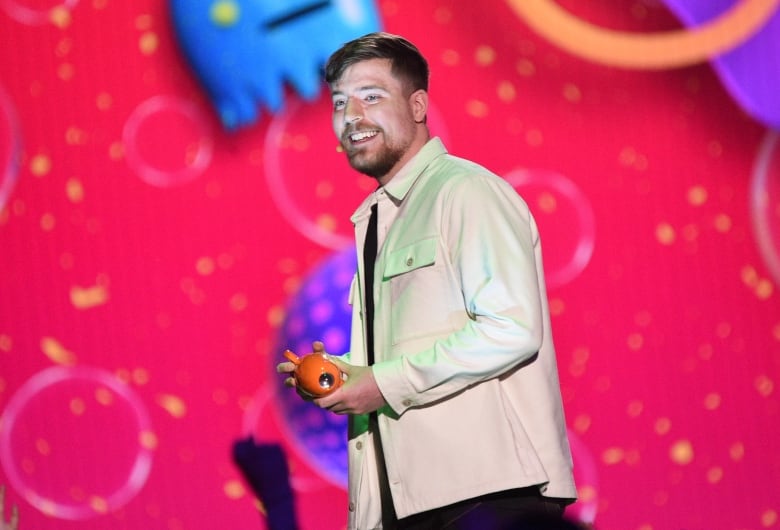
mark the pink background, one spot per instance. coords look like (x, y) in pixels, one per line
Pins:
(147, 259)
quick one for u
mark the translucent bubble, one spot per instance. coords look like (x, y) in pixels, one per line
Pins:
(35, 12)
(10, 142)
(167, 141)
(765, 202)
(555, 201)
(56, 422)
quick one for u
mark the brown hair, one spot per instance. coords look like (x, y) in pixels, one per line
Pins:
(406, 61)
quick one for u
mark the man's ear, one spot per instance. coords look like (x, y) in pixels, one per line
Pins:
(419, 104)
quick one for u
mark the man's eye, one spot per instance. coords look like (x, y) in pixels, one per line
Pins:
(372, 98)
(338, 104)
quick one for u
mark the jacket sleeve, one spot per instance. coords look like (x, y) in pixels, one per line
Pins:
(491, 241)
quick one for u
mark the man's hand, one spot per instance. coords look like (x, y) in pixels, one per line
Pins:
(358, 395)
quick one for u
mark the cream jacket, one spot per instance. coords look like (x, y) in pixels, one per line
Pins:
(464, 352)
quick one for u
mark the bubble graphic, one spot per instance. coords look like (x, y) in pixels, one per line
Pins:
(10, 140)
(320, 311)
(168, 141)
(62, 417)
(765, 202)
(556, 201)
(35, 12)
(305, 171)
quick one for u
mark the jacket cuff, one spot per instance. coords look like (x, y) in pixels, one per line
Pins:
(396, 389)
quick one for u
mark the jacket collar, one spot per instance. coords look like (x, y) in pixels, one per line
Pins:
(402, 182)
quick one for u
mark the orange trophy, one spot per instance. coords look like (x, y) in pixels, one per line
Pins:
(314, 374)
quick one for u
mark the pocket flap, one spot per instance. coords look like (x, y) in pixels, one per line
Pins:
(419, 254)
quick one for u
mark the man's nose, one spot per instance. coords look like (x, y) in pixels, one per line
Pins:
(353, 112)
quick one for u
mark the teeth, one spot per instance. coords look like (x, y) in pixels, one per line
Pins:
(356, 137)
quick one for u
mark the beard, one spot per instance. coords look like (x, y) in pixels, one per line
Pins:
(378, 164)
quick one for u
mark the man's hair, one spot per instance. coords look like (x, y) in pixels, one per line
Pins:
(406, 61)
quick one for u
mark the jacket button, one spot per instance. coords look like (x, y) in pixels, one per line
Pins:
(409, 262)
(359, 446)
(407, 402)
(351, 506)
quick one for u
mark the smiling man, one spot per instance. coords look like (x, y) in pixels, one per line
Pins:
(451, 383)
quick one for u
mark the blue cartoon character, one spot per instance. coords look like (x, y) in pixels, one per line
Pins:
(245, 52)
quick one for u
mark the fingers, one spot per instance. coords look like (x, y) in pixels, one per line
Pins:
(285, 368)
(317, 347)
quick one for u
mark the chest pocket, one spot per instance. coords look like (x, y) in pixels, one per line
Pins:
(419, 254)
(420, 302)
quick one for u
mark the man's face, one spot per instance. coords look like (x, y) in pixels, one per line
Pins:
(373, 118)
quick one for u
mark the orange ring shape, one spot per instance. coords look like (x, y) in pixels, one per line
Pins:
(646, 51)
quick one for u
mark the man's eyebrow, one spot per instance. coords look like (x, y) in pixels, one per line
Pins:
(365, 88)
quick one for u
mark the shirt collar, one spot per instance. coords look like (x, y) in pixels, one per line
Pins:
(402, 182)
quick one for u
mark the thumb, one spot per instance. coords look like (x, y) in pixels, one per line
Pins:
(317, 347)
(342, 365)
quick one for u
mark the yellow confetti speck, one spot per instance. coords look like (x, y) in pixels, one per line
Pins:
(173, 404)
(525, 67)
(714, 475)
(204, 266)
(140, 376)
(506, 91)
(234, 489)
(57, 352)
(225, 13)
(60, 17)
(681, 452)
(712, 401)
(75, 136)
(66, 71)
(40, 165)
(586, 493)
(43, 447)
(104, 101)
(476, 108)
(776, 332)
(662, 426)
(764, 289)
(635, 408)
(144, 22)
(769, 518)
(104, 396)
(764, 385)
(572, 93)
(99, 504)
(697, 195)
(722, 223)
(665, 233)
(77, 406)
(557, 306)
(116, 151)
(442, 15)
(485, 55)
(737, 451)
(612, 456)
(534, 137)
(635, 341)
(148, 440)
(238, 302)
(88, 297)
(749, 276)
(148, 43)
(450, 57)
(48, 221)
(275, 316)
(74, 190)
(324, 190)
(5, 343)
(327, 222)
(547, 203)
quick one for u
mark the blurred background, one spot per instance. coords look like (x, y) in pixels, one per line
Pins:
(174, 214)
